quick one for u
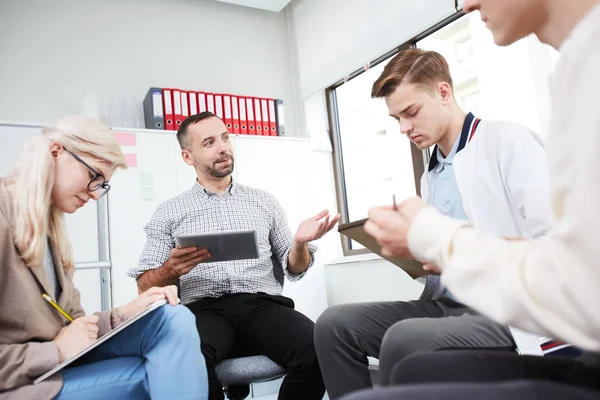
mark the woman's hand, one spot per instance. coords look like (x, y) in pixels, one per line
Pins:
(123, 313)
(76, 336)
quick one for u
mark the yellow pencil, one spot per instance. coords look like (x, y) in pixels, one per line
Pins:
(49, 300)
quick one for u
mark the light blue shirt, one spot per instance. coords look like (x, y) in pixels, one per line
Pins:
(443, 194)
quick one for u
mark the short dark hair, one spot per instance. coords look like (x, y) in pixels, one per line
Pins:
(182, 132)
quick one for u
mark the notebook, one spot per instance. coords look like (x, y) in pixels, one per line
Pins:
(355, 231)
(103, 339)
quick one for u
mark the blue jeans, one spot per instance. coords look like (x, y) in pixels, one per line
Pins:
(157, 357)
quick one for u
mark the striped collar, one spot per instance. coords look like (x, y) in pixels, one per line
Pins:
(468, 130)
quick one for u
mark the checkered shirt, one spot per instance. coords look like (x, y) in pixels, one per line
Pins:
(200, 211)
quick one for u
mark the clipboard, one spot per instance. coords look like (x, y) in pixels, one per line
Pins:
(355, 231)
(101, 340)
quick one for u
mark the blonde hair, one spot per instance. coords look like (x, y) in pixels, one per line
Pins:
(30, 185)
(422, 67)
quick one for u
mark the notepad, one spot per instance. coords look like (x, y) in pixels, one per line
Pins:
(355, 231)
(103, 339)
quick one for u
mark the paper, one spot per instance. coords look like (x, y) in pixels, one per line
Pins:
(131, 160)
(125, 139)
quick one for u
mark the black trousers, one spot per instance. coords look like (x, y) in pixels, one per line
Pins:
(451, 375)
(242, 325)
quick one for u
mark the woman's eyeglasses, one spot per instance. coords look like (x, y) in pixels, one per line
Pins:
(98, 182)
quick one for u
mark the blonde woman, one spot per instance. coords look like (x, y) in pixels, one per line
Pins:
(159, 356)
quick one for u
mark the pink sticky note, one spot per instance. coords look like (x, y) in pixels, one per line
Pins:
(125, 139)
(131, 159)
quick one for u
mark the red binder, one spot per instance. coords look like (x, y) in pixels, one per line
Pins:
(243, 116)
(202, 102)
(193, 101)
(185, 110)
(219, 106)
(227, 117)
(210, 102)
(235, 114)
(264, 106)
(177, 108)
(168, 107)
(272, 118)
(250, 115)
(258, 123)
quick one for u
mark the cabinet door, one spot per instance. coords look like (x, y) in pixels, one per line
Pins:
(133, 198)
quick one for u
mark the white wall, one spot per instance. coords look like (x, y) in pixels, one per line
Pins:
(65, 56)
(336, 37)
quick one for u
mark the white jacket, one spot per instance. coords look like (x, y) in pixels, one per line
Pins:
(550, 285)
(503, 182)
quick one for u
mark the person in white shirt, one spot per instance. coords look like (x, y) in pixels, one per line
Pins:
(491, 173)
(550, 286)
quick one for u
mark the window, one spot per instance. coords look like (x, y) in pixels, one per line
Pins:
(498, 83)
(375, 161)
(377, 157)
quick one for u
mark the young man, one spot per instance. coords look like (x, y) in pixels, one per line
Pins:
(490, 173)
(550, 286)
(238, 304)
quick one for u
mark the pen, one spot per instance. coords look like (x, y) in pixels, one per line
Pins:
(394, 202)
(49, 300)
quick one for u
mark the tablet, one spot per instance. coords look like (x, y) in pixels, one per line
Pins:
(103, 339)
(223, 246)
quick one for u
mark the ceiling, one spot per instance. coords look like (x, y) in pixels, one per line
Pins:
(269, 5)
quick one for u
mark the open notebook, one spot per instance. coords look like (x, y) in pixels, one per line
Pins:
(103, 339)
(355, 231)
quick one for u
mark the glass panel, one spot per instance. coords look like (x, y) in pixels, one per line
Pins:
(376, 156)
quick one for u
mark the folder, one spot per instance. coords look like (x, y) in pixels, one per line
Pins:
(102, 339)
(235, 114)
(243, 117)
(355, 231)
(168, 109)
(258, 125)
(264, 106)
(185, 111)
(177, 108)
(202, 102)
(153, 109)
(210, 102)
(272, 118)
(193, 100)
(279, 117)
(250, 116)
(219, 106)
(227, 118)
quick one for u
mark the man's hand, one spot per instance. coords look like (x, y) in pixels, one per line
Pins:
(390, 227)
(315, 227)
(182, 261)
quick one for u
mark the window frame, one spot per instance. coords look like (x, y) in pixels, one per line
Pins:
(420, 158)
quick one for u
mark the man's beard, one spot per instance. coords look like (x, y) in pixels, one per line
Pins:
(213, 171)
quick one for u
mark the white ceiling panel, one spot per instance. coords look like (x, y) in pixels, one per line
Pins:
(269, 5)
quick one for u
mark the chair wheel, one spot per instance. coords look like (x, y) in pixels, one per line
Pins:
(237, 392)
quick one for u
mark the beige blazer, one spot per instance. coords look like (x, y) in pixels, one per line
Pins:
(28, 324)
